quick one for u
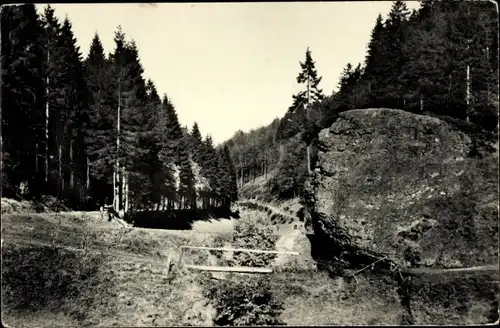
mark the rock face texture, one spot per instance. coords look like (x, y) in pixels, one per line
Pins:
(392, 183)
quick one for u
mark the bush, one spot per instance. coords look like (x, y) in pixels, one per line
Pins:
(253, 234)
(244, 301)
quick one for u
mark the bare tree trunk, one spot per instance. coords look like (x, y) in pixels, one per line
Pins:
(88, 174)
(126, 192)
(36, 159)
(117, 190)
(467, 95)
(47, 127)
(61, 178)
(122, 205)
(114, 189)
(487, 84)
(307, 115)
(71, 172)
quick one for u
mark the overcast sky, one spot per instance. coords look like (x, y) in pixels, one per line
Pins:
(232, 66)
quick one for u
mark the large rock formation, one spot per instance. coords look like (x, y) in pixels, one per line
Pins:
(413, 191)
(392, 183)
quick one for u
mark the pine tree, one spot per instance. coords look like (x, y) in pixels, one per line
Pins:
(312, 93)
(348, 87)
(375, 61)
(53, 68)
(130, 100)
(196, 143)
(74, 116)
(23, 117)
(169, 132)
(187, 190)
(232, 191)
(209, 171)
(308, 76)
(100, 139)
(397, 31)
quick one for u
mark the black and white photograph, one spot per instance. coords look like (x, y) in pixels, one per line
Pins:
(289, 163)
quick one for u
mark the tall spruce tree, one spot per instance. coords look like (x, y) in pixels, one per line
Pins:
(396, 33)
(23, 117)
(100, 137)
(196, 143)
(53, 68)
(74, 117)
(232, 191)
(375, 61)
(303, 99)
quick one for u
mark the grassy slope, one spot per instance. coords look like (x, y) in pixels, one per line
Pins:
(118, 279)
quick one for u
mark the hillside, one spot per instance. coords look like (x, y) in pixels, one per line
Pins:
(74, 269)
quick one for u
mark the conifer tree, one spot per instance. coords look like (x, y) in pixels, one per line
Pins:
(74, 115)
(23, 117)
(232, 191)
(53, 67)
(187, 192)
(169, 135)
(396, 58)
(100, 138)
(196, 143)
(374, 61)
(209, 170)
(312, 93)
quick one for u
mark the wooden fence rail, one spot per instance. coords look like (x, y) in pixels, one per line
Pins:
(228, 268)
(239, 250)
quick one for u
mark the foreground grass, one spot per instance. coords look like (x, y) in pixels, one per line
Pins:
(45, 286)
(85, 271)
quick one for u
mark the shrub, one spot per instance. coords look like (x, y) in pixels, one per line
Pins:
(244, 301)
(253, 234)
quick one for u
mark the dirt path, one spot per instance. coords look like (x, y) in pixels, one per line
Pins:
(432, 271)
(214, 226)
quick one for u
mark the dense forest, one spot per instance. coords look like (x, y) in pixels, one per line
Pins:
(440, 60)
(84, 130)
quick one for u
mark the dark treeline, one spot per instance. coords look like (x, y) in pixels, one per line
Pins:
(84, 130)
(439, 60)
